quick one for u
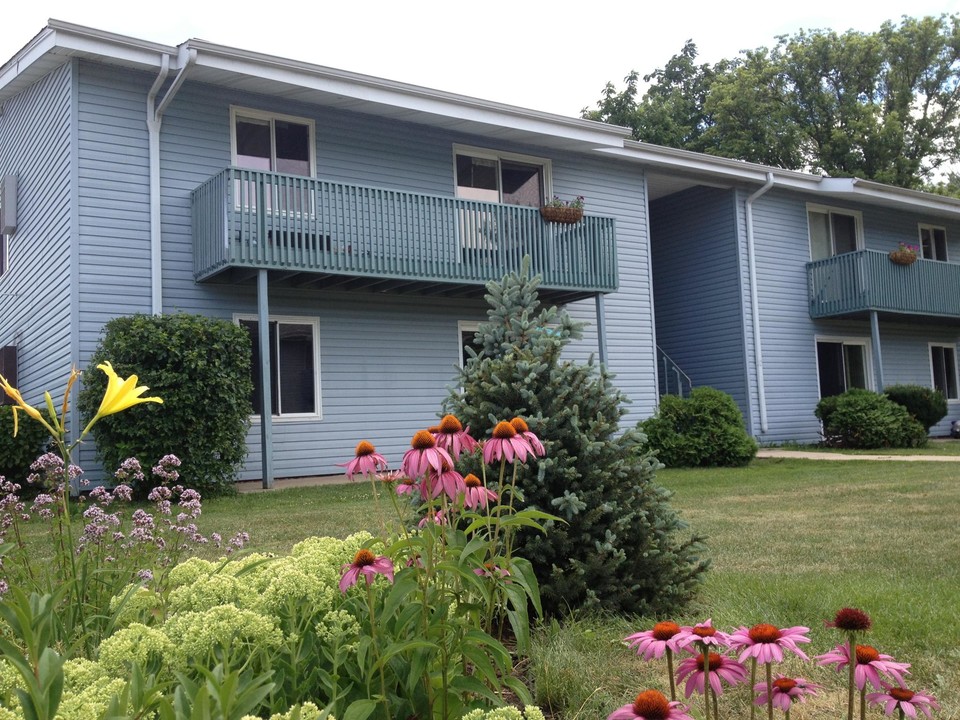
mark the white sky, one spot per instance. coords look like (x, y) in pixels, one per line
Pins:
(554, 56)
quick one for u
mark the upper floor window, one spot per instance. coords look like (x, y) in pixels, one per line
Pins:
(294, 365)
(507, 178)
(833, 231)
(277, 143)
(933, 242)
(943, 365)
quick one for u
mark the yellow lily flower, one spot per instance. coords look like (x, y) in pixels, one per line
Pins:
(14, 395)
(120, 393)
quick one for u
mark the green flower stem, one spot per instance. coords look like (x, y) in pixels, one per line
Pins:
(769, 667)
(850, 675)
(753, 682)
(673, 682)
(513, 490)
(706, 677)
(376, 648)
(863, 702)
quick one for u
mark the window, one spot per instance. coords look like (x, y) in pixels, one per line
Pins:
(468, 331)
(933, 242)
(943, 365)
(294, 364)
(841, 365)
(833, 231)
(278, 143)
(500, 177)
(3, 254)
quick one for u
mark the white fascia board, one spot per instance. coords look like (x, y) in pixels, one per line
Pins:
(416, 99)
(870, 191)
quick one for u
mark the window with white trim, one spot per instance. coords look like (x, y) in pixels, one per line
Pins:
(500, 177)
(468, 331)
(842, 364)
(933, 242)
(943, 369)
(269, 141)
(833, 231)
(294, 365)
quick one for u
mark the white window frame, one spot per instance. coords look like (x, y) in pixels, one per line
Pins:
(952, 347)
(927, 226)
(4, 254)
(314, 322)
(488, 154)
(846, 340)
(464, 326)
(830, 209)
(236, 110)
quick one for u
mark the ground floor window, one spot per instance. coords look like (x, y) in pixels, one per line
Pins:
(842, 365)
(294, 364)
(468, 331)
(943, 365)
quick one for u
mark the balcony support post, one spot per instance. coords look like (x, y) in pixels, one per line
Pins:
(266, 401)
(601, 330)
(877, 357)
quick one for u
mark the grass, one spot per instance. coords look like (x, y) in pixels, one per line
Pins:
(946, 447)
(791, 542)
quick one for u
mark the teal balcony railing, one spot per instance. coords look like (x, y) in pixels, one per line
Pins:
(253, 219)
(867, 280)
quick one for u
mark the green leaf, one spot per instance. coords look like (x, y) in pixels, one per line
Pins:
(360, 710)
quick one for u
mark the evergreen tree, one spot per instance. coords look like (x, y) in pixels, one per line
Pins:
(621, 546)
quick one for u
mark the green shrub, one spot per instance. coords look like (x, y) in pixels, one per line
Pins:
(865, 419)
(926, 405)
(703, 430)
(621, 547)
(16, 453)
(200, 367)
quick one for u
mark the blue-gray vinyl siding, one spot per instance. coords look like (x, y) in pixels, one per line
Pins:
(36, 128)
(385, 360)
(789, 335)
(697, 295)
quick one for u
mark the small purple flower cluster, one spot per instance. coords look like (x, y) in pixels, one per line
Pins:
(48, 473)
(166, 470)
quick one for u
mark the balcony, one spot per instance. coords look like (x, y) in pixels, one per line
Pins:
(858, 282)
(316, 233)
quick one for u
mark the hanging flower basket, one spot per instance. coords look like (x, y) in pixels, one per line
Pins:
(903, 257)
(566, 215)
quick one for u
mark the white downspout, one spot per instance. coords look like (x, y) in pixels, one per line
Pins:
(754, 305)
(154, 119)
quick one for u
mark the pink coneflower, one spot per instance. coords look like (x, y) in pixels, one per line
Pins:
(721, 668)
(437, 518)
(406, 486)
(491, 570)
(370, 565)
(424, 455)
(475, 494)
(850, 620)
(505, 444)
(447, 481)
(904, 700)
(703, 633)
(766, 642)
(367, 461)
(651, 705)
(520, 425)
(786, 691)
(451, 436)
(869, 665)
(651, 644)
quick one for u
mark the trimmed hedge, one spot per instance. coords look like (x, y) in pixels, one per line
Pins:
(17, 453)
(200, 367)
(703, 430)
(926, 405)
(864, 419)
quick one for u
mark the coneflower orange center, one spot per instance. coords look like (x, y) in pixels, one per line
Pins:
(472, 480)
(784, 684)
(652, 705)
(866, 654)
(902, 694)
(504, 431)
(704, 632)
(363, 558)
(520, 425)
(764, 633)
(665, 630)
(423, 440)
(450, 425)
(852, 619)
(365, 448)
(715, 662)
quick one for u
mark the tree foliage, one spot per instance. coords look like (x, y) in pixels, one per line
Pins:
(883, 105)
(621, 548)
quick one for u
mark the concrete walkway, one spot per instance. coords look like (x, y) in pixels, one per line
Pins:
(814, 455)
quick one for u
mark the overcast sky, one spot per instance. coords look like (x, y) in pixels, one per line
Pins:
(555, 56)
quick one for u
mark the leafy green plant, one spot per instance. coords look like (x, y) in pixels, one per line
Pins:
(864, 419)
(201, 368)
(702, 430)
(926, 405)
(620, 547)
(18, 451)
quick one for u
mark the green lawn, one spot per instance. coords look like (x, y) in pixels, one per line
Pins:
(791, 542)
(948, 447)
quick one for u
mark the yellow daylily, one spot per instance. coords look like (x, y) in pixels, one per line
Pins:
(14, 395)
(120, 393)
